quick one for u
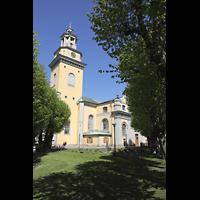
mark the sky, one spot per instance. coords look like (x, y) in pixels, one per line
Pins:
(51, 18)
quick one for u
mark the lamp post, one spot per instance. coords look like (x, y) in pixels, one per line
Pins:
(114, 139)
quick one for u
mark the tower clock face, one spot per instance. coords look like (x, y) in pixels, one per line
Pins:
(73, 55)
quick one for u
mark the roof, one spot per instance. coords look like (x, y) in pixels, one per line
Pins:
(97, 132)
(90, 100)
(68, 34)
(94, 101)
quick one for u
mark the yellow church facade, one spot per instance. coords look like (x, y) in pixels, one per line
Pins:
(91, 120)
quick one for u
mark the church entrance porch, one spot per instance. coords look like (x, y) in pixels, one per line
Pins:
(97, 138)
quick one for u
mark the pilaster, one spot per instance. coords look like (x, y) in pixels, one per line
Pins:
(129, 139)
(80, 124)
(64, 41)
(118, 129)
(69, 41)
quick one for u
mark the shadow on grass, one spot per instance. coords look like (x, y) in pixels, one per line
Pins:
(37, 155)
(115, 177)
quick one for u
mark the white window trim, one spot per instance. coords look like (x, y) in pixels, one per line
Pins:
(69, 129)
(103, 109)
(123, 106)
(70, 82)
(102, 124)
(93, 121)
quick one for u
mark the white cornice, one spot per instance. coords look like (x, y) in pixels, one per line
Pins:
(67, 60)
(122, 112)
(70, 48)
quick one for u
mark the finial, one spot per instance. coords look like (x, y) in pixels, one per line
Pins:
(70, 30)
(117, 96)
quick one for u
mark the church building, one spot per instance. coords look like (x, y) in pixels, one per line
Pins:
(91, 120)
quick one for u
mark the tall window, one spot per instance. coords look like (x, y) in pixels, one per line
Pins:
(124, 129)
(71, 79)
(67, 129)
(105, 125)
(90, 123)
(54, 80)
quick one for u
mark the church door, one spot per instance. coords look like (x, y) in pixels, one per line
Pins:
(124, 141)
(136, 140)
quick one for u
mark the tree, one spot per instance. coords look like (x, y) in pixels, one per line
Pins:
(122, 23)
(147, 103)
(50, 114)
(57, 120)
(134, 32)
(41, 111)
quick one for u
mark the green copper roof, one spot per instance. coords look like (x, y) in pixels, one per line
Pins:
(90, 100)
(97, 132)
(94, 101)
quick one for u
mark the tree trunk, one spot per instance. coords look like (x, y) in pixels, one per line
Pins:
(40, 138)
(150, 144)
(48, 140)
(151, 141)
(162, 142)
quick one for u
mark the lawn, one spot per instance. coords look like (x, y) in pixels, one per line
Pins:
(74, 175)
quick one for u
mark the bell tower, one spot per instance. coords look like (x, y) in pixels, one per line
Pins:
(69, 39)
(67, 79)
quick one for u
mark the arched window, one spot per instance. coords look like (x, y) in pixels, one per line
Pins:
(71, 79)
(90, 123)
(123, 129)
(124, 107)
(54, 80)
(105, 125)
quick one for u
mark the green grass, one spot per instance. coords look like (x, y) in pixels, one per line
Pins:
(61, 161)
(73, 175)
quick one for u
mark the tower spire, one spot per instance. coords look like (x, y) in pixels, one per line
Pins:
(70, 30)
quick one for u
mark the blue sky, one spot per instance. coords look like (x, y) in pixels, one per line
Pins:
(51, 18)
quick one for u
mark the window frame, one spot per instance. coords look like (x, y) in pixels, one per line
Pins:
(105, 109)
(90, 123)
(104, 128)
(89, 140)
(124, 129)
(68, 126)
(71, 79)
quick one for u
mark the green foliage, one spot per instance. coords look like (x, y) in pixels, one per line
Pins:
(59, 117)
(49, 113)
(134, 32)
(119, 23)
(41, 112)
